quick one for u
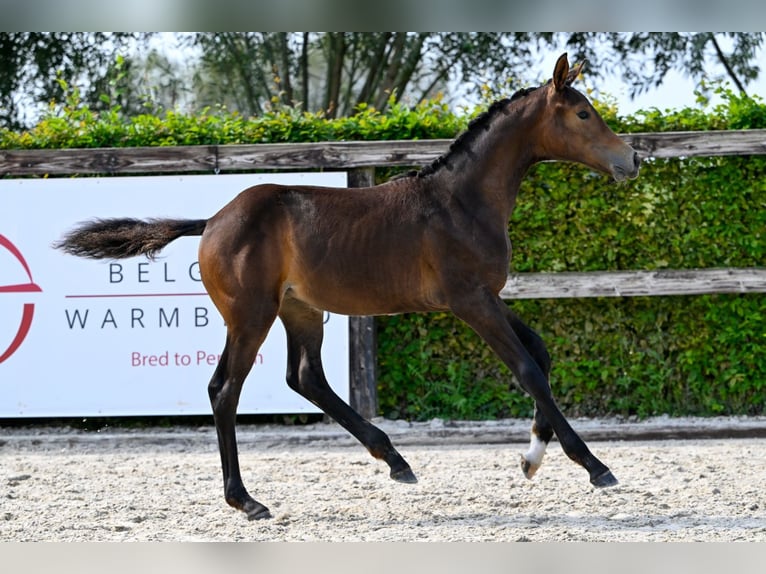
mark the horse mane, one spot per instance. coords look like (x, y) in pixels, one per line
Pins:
(476, 127)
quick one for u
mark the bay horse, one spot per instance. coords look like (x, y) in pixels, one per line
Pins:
(433, 240)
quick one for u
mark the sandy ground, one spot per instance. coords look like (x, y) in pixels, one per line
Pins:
(64, 486)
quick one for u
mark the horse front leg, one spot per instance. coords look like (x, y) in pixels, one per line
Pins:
(542, 431)
(487, 314)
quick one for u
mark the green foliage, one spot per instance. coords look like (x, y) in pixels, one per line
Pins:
(736, 111)
(74, 124)
(631, 356)
(435, 366)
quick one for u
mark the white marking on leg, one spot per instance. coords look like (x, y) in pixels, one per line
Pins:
(534, 456)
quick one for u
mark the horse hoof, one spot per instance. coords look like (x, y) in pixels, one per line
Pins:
(405, 475)
(604, 479)
(258, 512)
(528, 468)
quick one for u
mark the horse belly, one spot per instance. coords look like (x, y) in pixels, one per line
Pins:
(373, 294)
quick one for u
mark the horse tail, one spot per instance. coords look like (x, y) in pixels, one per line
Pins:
(119, 238)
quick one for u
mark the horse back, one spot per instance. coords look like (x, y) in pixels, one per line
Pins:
(351, 251)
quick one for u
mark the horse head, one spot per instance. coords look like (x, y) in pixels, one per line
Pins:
(572, 130)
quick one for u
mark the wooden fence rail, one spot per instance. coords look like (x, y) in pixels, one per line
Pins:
(361, 158)
(634, 283)
(328, 155)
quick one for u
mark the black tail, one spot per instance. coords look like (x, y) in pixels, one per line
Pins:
(124, 237)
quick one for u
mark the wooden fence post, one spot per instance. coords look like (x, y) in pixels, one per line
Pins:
(363, 357)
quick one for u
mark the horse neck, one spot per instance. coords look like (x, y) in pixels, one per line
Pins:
(490, 173)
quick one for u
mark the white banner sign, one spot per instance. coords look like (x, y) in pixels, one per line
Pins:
(132, 337)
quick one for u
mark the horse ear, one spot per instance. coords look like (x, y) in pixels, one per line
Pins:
(574, 73)
(561, 72)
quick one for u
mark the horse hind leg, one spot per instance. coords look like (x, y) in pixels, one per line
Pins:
(224, 391)
(305, 375)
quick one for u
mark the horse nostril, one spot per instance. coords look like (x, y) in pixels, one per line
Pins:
(636, 159)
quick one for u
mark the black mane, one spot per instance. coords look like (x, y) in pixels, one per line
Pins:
(479, 124)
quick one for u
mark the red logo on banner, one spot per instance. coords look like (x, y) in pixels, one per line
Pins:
(28, 311)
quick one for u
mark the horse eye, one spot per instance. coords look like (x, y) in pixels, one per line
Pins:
(583, 115)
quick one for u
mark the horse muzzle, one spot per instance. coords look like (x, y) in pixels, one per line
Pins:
(625, 170)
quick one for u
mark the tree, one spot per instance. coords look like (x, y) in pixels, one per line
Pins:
(643, 59)
(31, 63)
(337, 71)
(147, 82)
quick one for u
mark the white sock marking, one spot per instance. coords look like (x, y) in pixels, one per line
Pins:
(534, 455)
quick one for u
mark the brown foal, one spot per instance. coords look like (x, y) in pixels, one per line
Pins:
(435, 239)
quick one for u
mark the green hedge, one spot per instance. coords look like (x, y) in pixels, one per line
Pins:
(74, 125)
(696, 355)
(644, 356)
(701, 355)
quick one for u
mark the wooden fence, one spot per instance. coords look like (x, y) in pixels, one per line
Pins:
(360, 160)
(328, 155)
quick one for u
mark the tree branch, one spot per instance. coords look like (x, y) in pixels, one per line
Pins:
(410, 65)
(239, 61)
(284, 72)
(304, 66)
(394, 63)
(724, 60)
(376, 64)
(337, 48)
